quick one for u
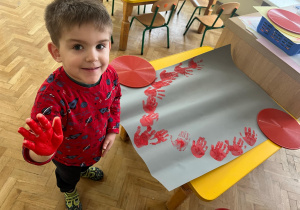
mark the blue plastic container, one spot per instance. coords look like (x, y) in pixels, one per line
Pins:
(266, 29)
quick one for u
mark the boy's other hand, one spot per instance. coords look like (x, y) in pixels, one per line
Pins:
(43, 139)
(108, 142)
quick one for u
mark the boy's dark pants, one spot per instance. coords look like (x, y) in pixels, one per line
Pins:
(67, 176)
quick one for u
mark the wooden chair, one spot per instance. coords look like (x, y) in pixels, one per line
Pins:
(113, 8)
(155, 19)
(198, 4)
(214, 21)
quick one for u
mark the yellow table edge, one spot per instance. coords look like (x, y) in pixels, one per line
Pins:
(212, 184)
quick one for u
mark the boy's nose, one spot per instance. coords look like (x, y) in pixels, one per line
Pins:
(92, 56)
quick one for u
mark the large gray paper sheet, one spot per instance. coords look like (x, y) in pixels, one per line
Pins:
(195, 117)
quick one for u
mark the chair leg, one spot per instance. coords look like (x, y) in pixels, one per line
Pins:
(192, 15)
(111, 39)
(112, 7)
(203, 37)
(143, 41)
(131, 21)
(138, 9)
(168, 37)
(144, 8)
(189, 26)
(181, 7)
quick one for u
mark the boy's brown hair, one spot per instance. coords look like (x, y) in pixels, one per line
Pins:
(64, 14)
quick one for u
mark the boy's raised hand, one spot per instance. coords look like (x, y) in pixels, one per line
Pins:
(44, 138)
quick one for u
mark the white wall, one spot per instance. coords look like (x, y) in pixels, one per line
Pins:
(246, 6)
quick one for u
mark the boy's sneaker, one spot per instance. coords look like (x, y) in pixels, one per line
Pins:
(72, 200)
(93, 173)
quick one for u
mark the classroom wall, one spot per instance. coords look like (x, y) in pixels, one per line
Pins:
(246, 6)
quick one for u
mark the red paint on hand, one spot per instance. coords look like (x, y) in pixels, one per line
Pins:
(219, 153)
(182, 141)
(237, 148)
(198, 149)
(161, 136)
(43, 139)
(249, 138)
(143, 139)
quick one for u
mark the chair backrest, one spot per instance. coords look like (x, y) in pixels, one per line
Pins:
(164, 5)
(228, 8)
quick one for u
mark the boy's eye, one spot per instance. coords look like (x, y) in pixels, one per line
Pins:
(100, 46)
(77, 47)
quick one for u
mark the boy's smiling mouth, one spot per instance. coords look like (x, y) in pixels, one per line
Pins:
(91, 69)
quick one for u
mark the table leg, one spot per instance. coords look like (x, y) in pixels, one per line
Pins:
(208, 11)
(123, 134)
(127, 10)
(179, 196)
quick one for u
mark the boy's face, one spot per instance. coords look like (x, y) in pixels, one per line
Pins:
(83, 52)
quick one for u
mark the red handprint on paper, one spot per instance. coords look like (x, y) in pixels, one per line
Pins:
(195, 65)
(237, 148)
(198, 149)
(43, 138)
(249, 138)
(147, 120)
(184, 71)
(161, 83)
(182, 141)
(168, 75)
(142, 140)
(151, 105)
(154, 92)
(161, 136)
(219, 153)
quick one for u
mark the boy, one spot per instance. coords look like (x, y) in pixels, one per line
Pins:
(81, 98)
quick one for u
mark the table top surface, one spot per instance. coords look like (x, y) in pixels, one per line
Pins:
(239, 29)
(214, 183)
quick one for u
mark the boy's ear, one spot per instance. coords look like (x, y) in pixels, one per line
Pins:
(54, 51)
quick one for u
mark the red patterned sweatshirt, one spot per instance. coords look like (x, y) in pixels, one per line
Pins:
(87, 114)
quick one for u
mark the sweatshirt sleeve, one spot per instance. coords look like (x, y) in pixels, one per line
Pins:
(27, 158)
(115, 109)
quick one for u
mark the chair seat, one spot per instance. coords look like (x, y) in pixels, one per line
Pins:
(210, 19)
(147, 18)
(199, 3)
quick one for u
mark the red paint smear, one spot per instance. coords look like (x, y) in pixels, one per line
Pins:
(151, 105)
(237, 148)
(184, 71)
(161, 136)
(168, 75)
(182, 141)
(142, 140)
(195, 65)
(147, 120)
(154, 92)
(249, 138)
(198, 149)
(219, 153)
(160, 84)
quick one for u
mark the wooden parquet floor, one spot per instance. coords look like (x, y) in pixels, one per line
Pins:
(25, 63)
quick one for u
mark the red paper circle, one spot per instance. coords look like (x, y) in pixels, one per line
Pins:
(285, 19)
(134, 71)
(280, 128)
